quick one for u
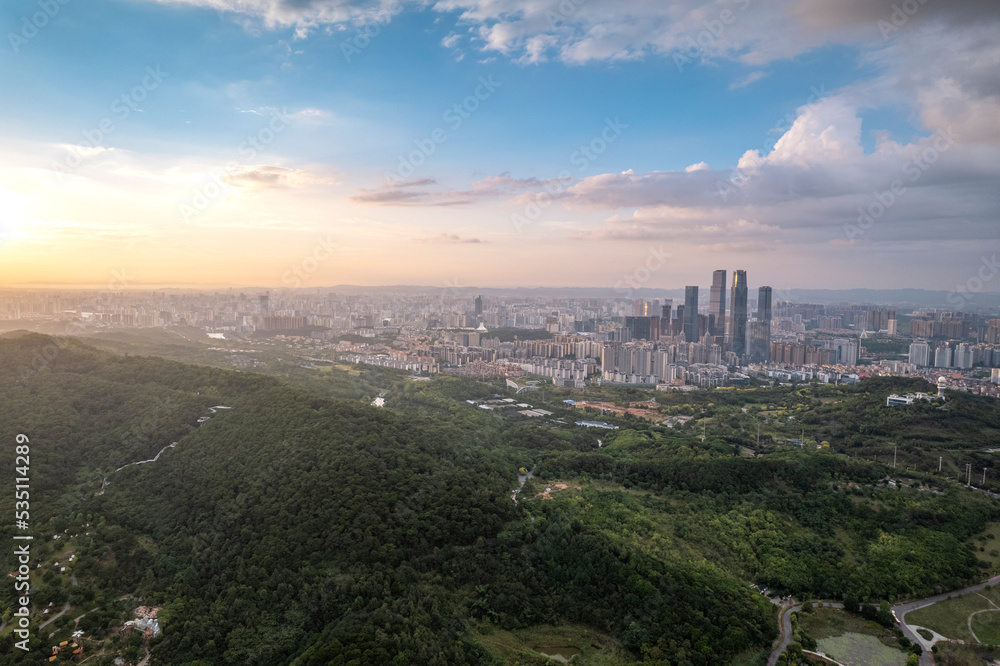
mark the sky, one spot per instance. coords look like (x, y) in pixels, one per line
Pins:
(308, 143)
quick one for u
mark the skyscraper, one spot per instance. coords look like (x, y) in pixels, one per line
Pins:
(717, 304)
(760, 328)
(691, 314)
(764, 304)
(479, 305)
(738, 315)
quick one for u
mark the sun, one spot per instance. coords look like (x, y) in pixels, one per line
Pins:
(14, 217)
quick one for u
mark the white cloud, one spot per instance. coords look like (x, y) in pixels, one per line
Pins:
(752, 77)
(809, 186)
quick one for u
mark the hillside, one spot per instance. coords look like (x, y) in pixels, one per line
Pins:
(297, 529)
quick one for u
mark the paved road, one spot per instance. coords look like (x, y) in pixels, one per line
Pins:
(786, 629)
(900, 611)
(54, 617)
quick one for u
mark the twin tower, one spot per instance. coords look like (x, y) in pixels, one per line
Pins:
(734, 327)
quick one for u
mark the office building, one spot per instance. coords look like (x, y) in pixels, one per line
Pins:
(738, 315)
(717, 304)
(690, 314)
(764, 304)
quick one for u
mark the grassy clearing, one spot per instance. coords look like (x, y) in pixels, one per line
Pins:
(987, 627)
(528, 646)
(949, 617)
(853, 649)
(832, 622)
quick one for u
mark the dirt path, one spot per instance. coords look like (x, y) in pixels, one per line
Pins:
(971, 615)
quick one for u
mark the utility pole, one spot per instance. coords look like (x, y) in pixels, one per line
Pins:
(758, 435)
(968, 474)
(894, 457)
(984, 476)
(940, 458)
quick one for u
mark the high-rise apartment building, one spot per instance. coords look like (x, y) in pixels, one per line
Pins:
(943, 357)
(920, 353)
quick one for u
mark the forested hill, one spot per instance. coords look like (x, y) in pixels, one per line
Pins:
(297, 529)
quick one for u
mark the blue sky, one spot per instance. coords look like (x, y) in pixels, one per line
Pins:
(834, 108)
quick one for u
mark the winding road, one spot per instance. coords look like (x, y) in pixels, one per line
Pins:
(785, 622)
(899, 612)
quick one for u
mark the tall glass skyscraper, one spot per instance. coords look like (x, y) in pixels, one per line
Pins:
(764, 304)
(691, 314)
(738, 315)
(760, 328)
(717, 304)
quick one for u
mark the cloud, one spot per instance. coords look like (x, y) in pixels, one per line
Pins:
(690, 227)
(409, 192)
(747, 80)
(815, 181)
(263, 177)
(403, 197)
(449, 239)
(304, 15)
(700, 166)
(577, 31)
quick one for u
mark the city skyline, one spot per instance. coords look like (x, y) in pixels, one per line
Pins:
(497, 144)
